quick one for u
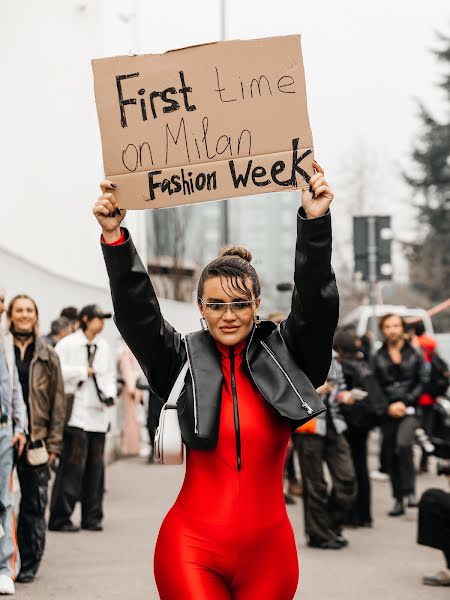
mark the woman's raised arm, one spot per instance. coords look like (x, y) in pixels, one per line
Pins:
(154, 342)
(310, 326)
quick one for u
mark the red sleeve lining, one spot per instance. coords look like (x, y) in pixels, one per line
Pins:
(118, 242)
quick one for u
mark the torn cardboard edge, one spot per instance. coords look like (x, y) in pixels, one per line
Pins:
(174, 50)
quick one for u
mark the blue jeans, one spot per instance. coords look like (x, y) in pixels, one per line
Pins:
(9, 553)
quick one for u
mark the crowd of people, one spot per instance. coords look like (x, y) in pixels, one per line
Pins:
(57, 391)
(395, 389)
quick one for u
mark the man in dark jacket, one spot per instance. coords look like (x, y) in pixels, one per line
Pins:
(400, 370)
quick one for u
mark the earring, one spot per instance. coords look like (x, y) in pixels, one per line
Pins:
(203, 324)
(257, 320)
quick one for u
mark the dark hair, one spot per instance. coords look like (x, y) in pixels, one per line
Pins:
(11, 307)
(59, 325)
(70, 312)
(234, 263)
(417, 326)
(345, 343)
(384, 318)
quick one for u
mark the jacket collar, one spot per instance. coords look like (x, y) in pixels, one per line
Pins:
(225, 350)
(42, 350)
(79, 337)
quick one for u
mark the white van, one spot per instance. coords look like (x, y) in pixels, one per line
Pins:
(360, 317)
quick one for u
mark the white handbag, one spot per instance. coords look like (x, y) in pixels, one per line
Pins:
(169, 447)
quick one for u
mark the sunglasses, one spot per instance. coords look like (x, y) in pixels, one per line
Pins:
(235, 307)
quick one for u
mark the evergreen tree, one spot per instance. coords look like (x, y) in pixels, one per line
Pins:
(430, 259)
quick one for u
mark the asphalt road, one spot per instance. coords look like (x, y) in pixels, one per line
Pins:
(381, 563)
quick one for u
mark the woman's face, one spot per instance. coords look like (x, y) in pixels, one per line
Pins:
(23, 315)
(393, 329)
(230, 324)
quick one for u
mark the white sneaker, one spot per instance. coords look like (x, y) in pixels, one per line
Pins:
(441, 578)
(7, 585)
(378, 476)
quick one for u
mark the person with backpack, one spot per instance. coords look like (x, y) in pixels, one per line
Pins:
(438, 381)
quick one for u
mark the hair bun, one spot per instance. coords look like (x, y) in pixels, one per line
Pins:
(239, 251)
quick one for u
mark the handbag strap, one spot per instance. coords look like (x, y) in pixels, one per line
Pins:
(177, 387)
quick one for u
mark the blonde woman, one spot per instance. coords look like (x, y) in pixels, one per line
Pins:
(43, 393)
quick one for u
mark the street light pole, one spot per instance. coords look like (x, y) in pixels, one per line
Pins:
(372, 260)
(224, 203)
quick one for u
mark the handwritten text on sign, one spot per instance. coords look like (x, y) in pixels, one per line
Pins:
(205, 122)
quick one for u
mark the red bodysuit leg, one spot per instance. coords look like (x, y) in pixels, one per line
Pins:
(268, 567)
(189, 564)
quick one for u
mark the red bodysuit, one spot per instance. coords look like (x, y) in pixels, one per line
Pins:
(228, 535)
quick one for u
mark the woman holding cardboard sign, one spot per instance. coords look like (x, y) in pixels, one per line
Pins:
(248, 386)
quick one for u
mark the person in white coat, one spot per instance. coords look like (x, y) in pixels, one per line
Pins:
(89, 374)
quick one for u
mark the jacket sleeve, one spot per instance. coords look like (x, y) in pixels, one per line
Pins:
(309, 328)
(107, 376)
(421, 378)
(19, 409)
(72, 374)
(154, 342)
(58, 408)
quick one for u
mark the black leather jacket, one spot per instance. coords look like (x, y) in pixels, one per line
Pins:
(404, 382)
(286, 362)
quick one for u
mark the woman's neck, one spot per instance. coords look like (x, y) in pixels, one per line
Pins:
(22, 340)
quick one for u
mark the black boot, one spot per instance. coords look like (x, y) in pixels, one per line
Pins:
(398, 509)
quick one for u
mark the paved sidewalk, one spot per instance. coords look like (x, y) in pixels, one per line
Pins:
(384, 563)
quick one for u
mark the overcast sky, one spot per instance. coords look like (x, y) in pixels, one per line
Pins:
(366, 64)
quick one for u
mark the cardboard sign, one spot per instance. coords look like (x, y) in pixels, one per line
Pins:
(205, 122)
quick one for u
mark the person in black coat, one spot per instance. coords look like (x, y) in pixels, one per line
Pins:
(401, 373)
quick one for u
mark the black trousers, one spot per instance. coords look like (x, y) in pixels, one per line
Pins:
(434, 521)
(289, 464)
(325, 514)
(31, 523)
(80, 477)
(361, 510)
(399, 438)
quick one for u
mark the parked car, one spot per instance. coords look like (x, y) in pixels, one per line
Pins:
(360, 317)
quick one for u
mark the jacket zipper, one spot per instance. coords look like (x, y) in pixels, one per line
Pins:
(193, 389)
(236, 411)
(304, 404)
